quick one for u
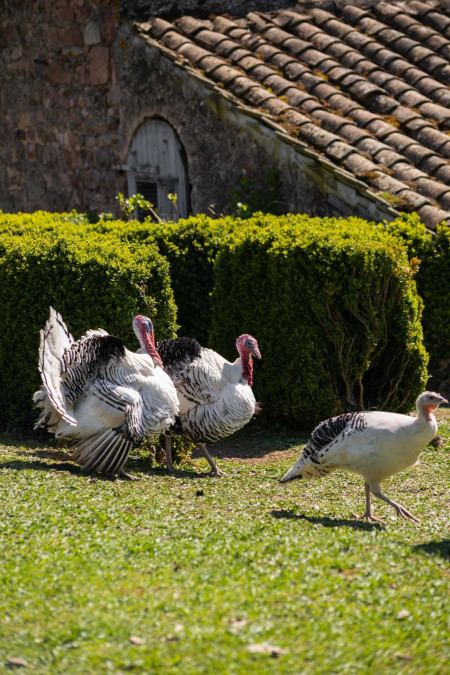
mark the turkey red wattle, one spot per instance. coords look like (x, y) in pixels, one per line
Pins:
(246, 346)
(146, 337)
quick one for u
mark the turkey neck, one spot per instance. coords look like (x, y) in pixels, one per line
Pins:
(247, 367)
(148, 345)
(425, 415)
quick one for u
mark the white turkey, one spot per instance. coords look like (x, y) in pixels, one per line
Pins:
(374, 444)
(215, 396)
(98, 397)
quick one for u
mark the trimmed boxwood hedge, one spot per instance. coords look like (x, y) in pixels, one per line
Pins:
(433, 279)
(335, 309)
(94, 281)
(190, 246)
(331, 301)
(335, 296)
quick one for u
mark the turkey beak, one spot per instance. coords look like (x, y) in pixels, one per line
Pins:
(255, 351)
(443, 400)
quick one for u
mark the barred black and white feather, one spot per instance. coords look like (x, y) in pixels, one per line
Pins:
(374, 444)
(98, 398)
(327, 434)
(181, 350)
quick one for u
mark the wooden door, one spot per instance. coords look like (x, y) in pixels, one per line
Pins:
(156, 167)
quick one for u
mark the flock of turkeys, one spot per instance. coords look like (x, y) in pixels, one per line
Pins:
(101, 400)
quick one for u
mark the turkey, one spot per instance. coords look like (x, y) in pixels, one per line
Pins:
(375, 445)
(99, 398)
(215, 396)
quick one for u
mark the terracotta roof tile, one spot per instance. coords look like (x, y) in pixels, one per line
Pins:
(353, 14)
(209, 63)
(434, 139)
(222, 48)
(159, 27)
(430, 17)
(189, 25)
(434, 189)
(358, 164)
(354, 135)
(376, 105)
(431, 215)
(439, 171)
(174, 40)
(225, 74)
(193, 52)
(276, 106)
(339, 151)
(241, 85)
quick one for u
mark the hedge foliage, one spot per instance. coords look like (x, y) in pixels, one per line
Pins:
(350, 357)
(94, 281)
(332, 302)
(335, 309)
(433, 279)
(191, 247)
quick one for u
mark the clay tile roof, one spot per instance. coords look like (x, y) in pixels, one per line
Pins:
(365, 87)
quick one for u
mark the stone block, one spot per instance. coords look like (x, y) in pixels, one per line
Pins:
(57, 75)
(99, 65)
(109, 25)
(91, 34)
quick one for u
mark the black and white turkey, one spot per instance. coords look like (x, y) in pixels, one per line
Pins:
(373, 444)
(99, 398)
(215, 396)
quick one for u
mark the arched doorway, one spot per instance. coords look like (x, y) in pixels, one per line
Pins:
(156, 167)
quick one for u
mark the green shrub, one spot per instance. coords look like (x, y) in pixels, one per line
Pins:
(190, 246)
(433, 279)
(94, 281)
(332, 302)
(21, 223)
(335, 310)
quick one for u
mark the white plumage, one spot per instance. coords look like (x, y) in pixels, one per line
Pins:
(98, 397)
(215, 396)
(374, 444)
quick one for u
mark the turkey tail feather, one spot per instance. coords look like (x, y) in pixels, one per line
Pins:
(55, 339)
(106, 451)
(295, 471)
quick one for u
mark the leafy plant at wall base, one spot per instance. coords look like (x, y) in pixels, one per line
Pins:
(248, 198)
(136, 202)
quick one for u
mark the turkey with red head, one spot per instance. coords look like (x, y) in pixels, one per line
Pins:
(215, 395)
(99, 398)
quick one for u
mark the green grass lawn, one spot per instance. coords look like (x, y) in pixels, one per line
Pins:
(190, 574)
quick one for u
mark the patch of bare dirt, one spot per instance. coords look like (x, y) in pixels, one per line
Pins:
(258, 447)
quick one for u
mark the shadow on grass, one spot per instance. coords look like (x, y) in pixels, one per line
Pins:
(441, 548)
(35, 464)
(326, 521)
(62, 463)
(26, 441)
(255, 441)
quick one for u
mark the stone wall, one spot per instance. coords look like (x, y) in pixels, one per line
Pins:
(59, 105)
